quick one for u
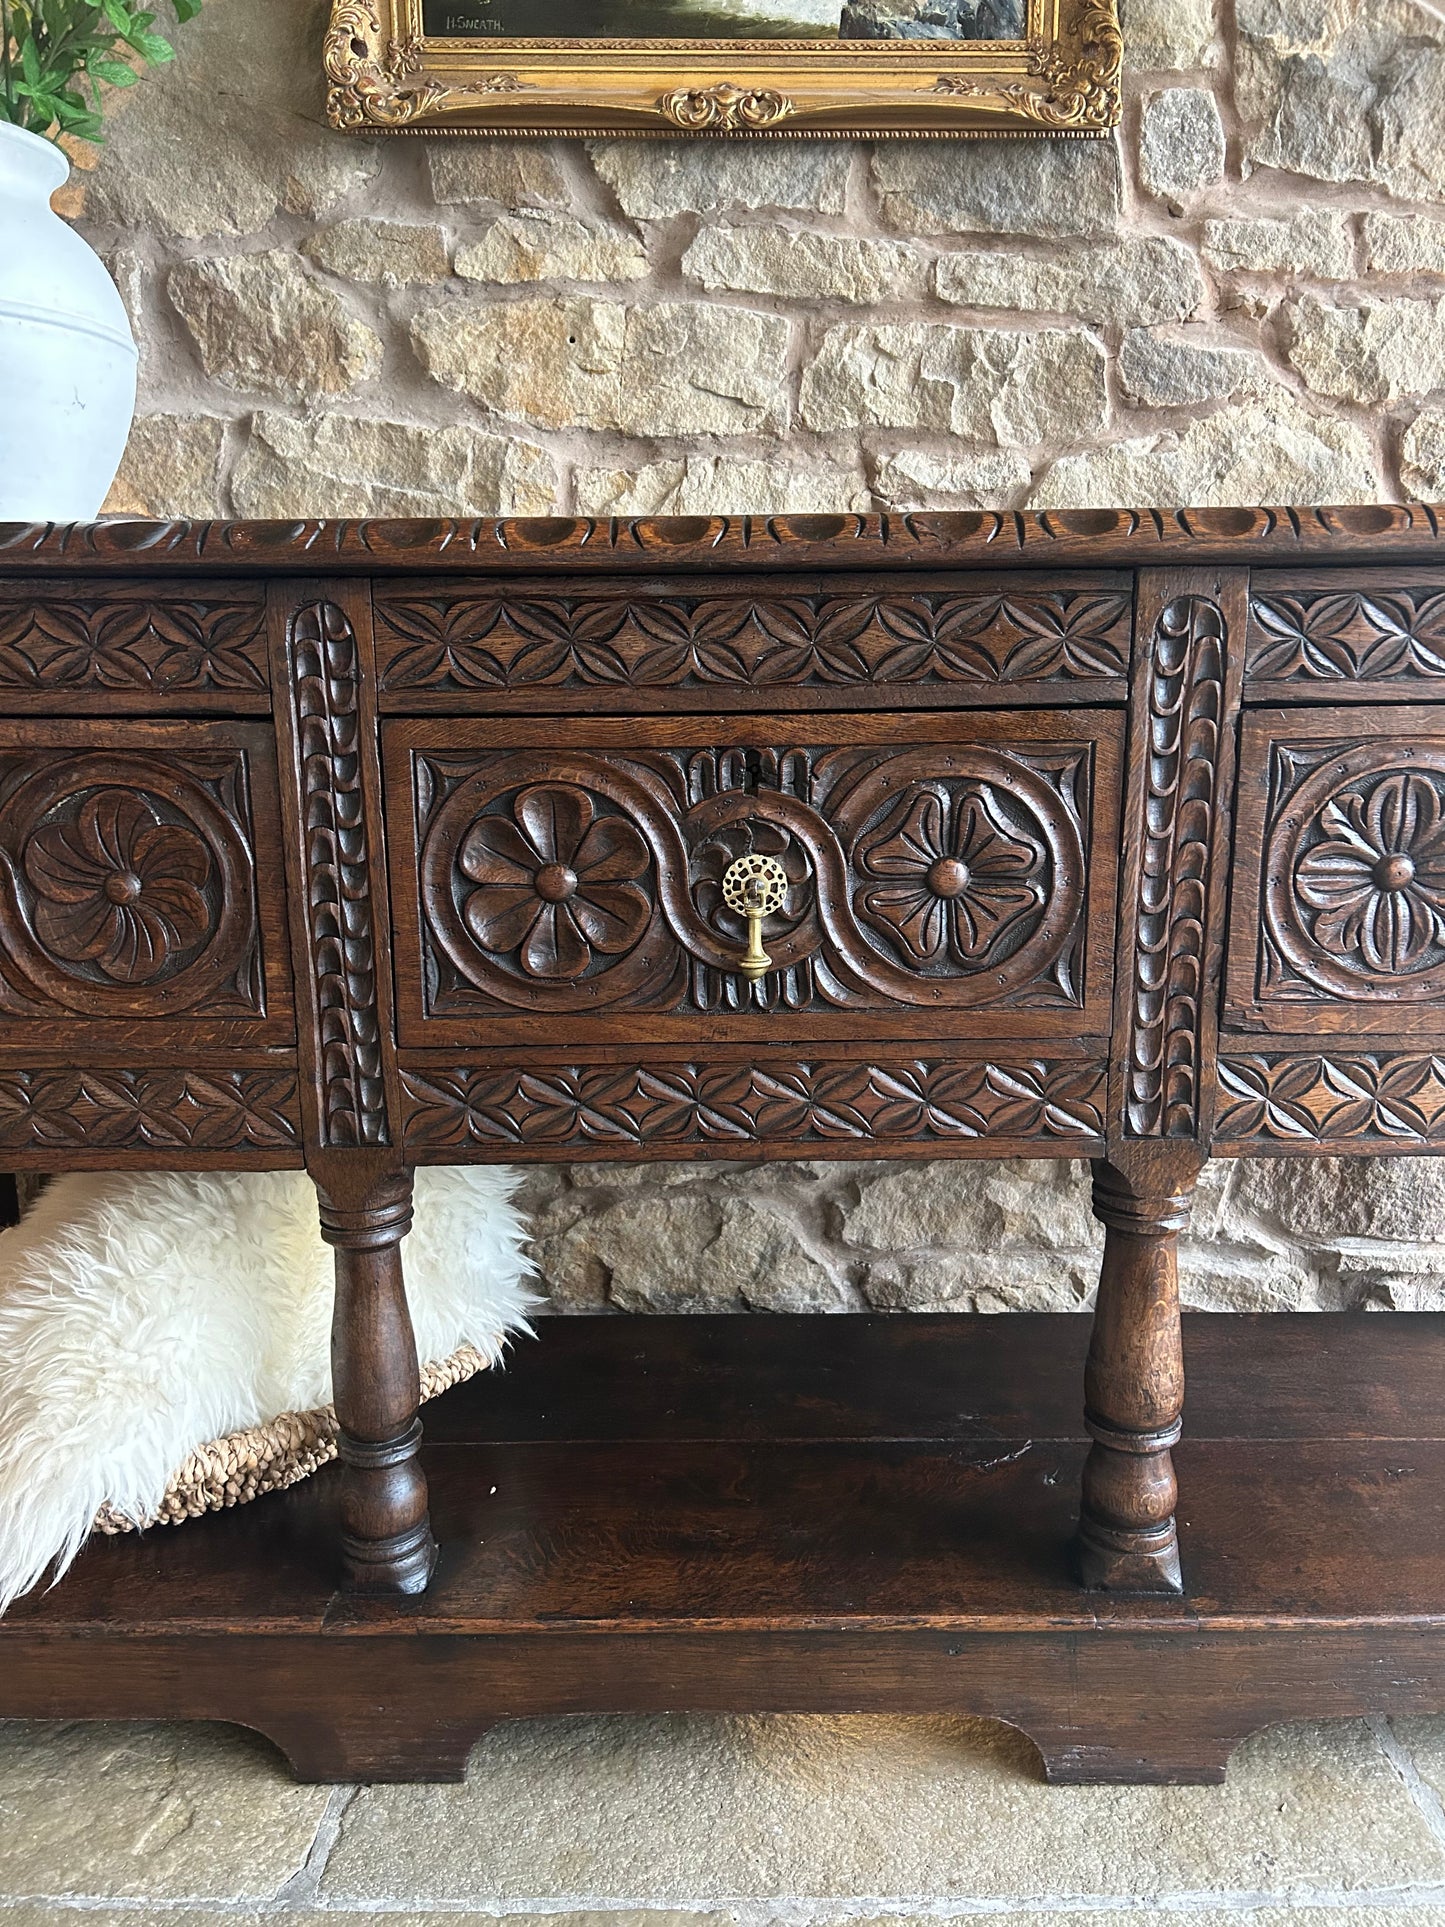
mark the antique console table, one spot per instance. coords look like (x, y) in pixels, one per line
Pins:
(1118, 836)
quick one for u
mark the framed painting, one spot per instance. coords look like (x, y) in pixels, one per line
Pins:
(725, 67)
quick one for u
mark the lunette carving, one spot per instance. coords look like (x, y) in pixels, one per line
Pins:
(337, 881)
(1095, 538)
(1350, 636)
(1185, 708)
(1389, 1098)
(636, 1106)
(478, 640)
(114, 1110)
(159, 646)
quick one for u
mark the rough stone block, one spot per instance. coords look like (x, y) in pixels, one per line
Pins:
(1374, 353)
(807, 267)
(720, 485)
(346, 466)
(1404, 244)
(1000, 186)
(1181, 144)
(230, 133)
(654, 180)
(1272, 450)
(984, 384)
(552, 247)
(1422, 457)
(392, 253)
(263, 326)
(1168, 34)
(1155, 279)
(171, 466)
(1171, 371)
(977, 478)
(1318, 244)
(674, 369)
(509, 173)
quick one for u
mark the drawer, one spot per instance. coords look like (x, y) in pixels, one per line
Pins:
(140, 884)
(1337, 922)
(942, 876)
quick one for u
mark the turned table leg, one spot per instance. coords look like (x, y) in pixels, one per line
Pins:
(386, 1539)
(1134, 1380)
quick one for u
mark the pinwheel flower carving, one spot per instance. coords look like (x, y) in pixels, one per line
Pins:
(955, 875)
(555, 881)
(119, 888)
(1373, 891)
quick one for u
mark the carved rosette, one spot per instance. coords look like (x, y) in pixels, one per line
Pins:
(575, 881)
(1354, 875)
(337, 884)
(1185, 707)
(127, 886)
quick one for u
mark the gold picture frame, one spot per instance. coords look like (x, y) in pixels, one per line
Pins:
(387, 72)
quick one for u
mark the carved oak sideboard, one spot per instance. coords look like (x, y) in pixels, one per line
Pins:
(364, 845)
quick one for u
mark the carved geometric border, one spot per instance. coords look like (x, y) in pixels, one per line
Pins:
(818, 1104)
(132, 1110)
(1380, 1098)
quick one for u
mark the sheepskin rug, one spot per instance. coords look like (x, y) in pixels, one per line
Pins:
(143, 1315)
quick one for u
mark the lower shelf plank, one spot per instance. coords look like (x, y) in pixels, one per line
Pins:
(811, 1515)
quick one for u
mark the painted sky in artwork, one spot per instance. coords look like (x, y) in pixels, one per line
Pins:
(728, 19)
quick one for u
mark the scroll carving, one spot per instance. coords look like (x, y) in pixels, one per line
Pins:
(1185, 708)
(1071, 89)
(127, 885)
(157, 646)
(640, 1106)
(1387, 1098)
(725, 108)
(493, 641)
(950, 876)
(1354, 636)
(112, 1110)
(337, 881)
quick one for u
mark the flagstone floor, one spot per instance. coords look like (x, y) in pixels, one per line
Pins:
(664, 1822)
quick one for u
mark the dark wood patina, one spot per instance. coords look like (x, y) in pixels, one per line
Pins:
(362, 845)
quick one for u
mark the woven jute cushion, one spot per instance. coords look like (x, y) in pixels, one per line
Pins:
(266, 1458)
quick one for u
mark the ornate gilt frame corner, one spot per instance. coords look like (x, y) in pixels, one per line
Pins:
(385, 75)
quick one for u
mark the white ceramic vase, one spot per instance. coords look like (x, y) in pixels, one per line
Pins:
(67, 359)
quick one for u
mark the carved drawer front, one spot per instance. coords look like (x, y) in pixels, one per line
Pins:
(940, 876)
(788, 643)
(140, 883)
(1346, 635)
(1338, 916)
(104, 648)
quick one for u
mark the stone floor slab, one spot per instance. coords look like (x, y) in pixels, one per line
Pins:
(706, 1811)
(148, 1812)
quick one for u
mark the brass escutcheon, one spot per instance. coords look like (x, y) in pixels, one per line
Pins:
(755, 886)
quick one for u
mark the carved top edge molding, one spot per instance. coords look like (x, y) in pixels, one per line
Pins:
(993, 538)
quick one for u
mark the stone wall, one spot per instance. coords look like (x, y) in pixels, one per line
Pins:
(1241, 299)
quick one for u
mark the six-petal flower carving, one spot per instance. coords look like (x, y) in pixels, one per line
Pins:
(957, 874)
(119, 888)
(1375, 887)
(555, 882)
